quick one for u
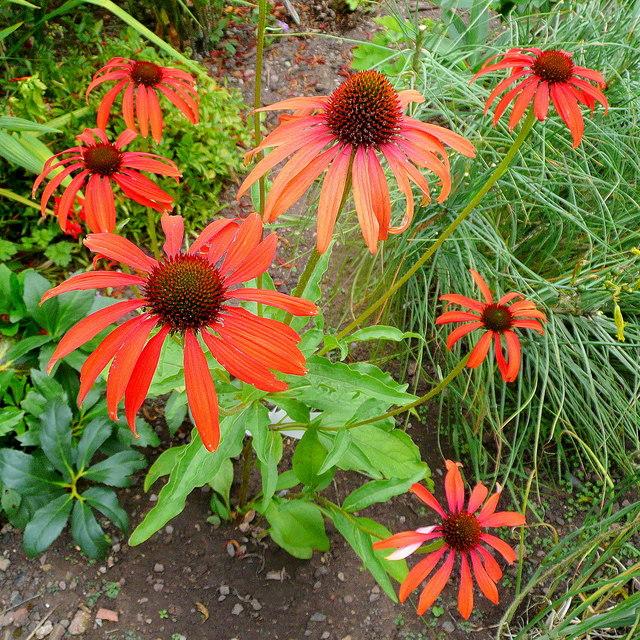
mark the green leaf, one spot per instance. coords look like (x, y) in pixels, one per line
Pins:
(116, 470)
(87, 532)
(175, 411)
(55, 437)
(46, 525)
(378, 491)
(362, 544)
(287, 480)
(268, 447)
(9, 419)
(7, 248)
(308, 458)
(382, 332)
(162, 465)
(106, 502)
(222, 482)
(26, 473)
(397, 569)
(47, 386)
(60, 253)
(340, 446)
(297, 526)
(194, 467)
(93, 437)
(25, 346)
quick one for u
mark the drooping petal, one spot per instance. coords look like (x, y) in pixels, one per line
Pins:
(155, 115)
(428, 498)
(541, 101)
(567, 106)
(521, 103)
(528, 324)
(500, 546)
(201, 392)
(514, 356)
(331, 196)
(123, 365)
(465, 592)
(99, 204)
(404, 552)
(362, 198)
(90, 327)
(503, 365)
(401, 540)
(486, 584)
(127, 107)
(94, 280)
(142, 375)
(104, 110)
(479, 352)
(501, 86)
(491, 566)
(379, 194)
(242, 366)
(454, 486)
(119, 249)
(419, 573)
(434, 587)
(461, 331)
(256, 263)
(103, 354)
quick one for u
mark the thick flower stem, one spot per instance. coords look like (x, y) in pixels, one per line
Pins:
(461, 217)
(153, 236)
(257, 103)
(247, 466)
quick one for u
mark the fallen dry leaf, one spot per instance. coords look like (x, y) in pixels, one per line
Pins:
(203, 611)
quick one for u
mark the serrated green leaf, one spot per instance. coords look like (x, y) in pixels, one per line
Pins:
(378, 491)
(87, 532)
(7, 248)
(340, 446)
(194, 467)
(10, 418)
(60, 253)
(46, 525)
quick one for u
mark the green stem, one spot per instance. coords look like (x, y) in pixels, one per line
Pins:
(257, 103)
(151, 228)
(461, 217)
(257, 92)
(441, 386)
(247, 460)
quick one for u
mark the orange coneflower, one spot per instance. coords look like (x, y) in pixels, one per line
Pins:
(140, 82)
(461, 531)
(343, 134)
(101, 163)
(187, 294)
(497, 319)
(543, 76)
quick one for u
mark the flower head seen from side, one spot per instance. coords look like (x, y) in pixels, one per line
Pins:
(497, 320)
(99, 163)
(542, 77)
(141, 83)
(191, 295)
(347, 134)
(462, 531)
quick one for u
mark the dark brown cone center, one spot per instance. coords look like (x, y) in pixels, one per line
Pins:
(497, 317)
(461, 531)
(146, 73)
(104, 158)
(553, 66)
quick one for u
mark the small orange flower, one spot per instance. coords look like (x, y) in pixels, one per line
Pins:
(543, 76)
(141, 82)
(343, 134)
(186, 294)
(99, 164)
(498, 319)
(461, 531)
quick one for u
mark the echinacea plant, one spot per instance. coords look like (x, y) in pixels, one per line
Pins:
(461, 531)
(100, 164)
(345, 134)
(141, 83)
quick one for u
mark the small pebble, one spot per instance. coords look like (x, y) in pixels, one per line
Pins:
(158, 568)
(237, 609)
(318, 617)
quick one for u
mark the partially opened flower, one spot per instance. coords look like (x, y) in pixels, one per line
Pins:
(141, 83)
(462, 532)
(192, 295)
(346, 134)
(99, 164)
(497, 320)
(541, 77)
